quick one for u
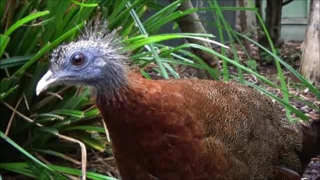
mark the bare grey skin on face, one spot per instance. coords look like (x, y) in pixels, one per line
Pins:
(95, 59)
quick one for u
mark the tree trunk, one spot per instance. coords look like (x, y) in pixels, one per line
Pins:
(273, 14)
(310, 59)
(191, 24)
(244, 26)
(260, 31)
(273, 21)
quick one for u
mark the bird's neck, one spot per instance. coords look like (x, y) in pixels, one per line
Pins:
(125, 100)
(125, 91)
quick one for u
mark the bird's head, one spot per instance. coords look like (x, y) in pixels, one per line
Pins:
(95, 59)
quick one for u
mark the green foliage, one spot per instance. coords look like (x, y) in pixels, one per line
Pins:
(252, 64)
(267, 57)
(33, 28)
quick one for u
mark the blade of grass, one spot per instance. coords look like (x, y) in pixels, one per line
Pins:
(150, 45)
(23, 151)
(25, 20)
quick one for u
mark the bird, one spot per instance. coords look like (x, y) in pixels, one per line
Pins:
(178, 129)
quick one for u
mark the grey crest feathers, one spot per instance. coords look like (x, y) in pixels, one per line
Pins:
(95, 34)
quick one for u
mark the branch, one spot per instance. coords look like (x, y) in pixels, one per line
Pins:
(286, 2)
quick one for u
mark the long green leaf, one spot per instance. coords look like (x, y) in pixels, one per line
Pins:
(23, 151)
(4, 40)
(12, 61)
(25, 20)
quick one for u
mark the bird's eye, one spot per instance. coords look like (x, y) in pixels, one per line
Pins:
(78, 59)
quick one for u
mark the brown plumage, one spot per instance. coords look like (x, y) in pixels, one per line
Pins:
(180, 129)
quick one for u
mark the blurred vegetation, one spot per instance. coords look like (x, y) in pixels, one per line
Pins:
(39, 133)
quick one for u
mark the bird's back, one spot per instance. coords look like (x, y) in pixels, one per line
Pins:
(198, 129)
(250, 125)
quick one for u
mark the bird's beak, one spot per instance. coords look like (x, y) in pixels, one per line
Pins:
(45, 82)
